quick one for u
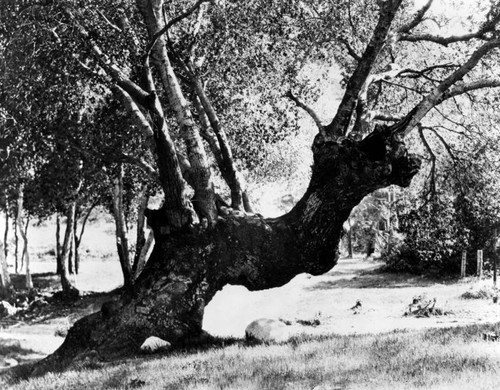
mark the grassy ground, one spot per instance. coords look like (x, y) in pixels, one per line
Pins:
(451, 358)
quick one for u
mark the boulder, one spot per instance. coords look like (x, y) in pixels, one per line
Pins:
(6, 309)
(154, 345)
(9, 362)
(266, 330)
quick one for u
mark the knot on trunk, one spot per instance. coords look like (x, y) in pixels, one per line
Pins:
(379, 160)
(166, 221)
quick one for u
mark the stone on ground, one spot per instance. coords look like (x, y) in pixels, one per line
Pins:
(154, 344)
(266, 330)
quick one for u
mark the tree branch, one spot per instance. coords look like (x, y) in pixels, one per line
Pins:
(443, 91)
(143, 165)
(108, 22)
(445, 144)
(488, 26)
(137, 115)
(471, 86)
(307, 109)
(136, 92)
(350, 49)
(432, 184)
(340, 122)
(170, 23)
(417, 19)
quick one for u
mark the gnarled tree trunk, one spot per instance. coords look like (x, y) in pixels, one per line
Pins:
(188, 266)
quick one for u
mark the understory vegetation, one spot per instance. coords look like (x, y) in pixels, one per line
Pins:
(449, 358)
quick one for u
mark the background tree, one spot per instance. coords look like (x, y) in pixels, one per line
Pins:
(458, 210)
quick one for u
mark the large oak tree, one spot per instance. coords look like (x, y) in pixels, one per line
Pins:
(183, 71)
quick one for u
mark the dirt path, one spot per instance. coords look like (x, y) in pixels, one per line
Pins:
(329, 297)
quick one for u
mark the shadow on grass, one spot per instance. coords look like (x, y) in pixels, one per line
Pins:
(40, 280)
(12, 348)
(376, 278)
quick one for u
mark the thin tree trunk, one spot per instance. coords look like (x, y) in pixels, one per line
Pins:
(16, 243)
(228, 168)
(76, 244)
(6, 233)
(143, 255)
(23, 231)
(58, 245)
(141, 231)
(5, 283)
(349, 241)
(78, 237)
(68, 288)
(71, 270)
(121, 229)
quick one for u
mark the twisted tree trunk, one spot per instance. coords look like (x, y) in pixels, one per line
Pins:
(188, 266)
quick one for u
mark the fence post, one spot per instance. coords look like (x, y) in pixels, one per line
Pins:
(495, 246)
(464, 263)
(479, 271)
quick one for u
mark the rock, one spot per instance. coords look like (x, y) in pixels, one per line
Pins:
(9, 362)
(267, 330)
(154, 345)
(6, 309)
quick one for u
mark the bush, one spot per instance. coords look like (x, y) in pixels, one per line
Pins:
(433, 240)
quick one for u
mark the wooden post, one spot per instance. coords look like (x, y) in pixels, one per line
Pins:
(464, 263)
(495, 266)
(495, 244)
(479, 271)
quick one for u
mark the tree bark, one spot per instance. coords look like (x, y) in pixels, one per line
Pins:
(16, 243)
(23, 231)
(204, 197)
(350, 253)
(78, 237)
(121, 229)
(5, 283)
(71, 270)
(6, 232)
(67, 287)
(187, 268)
(76, 244)
(142, 244)
(58, 245)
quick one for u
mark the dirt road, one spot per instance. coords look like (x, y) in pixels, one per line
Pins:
(384, 298)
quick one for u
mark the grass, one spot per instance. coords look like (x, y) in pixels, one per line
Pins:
(452, 358)
(481, 292)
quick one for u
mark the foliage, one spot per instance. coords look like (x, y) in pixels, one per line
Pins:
(459, 215)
